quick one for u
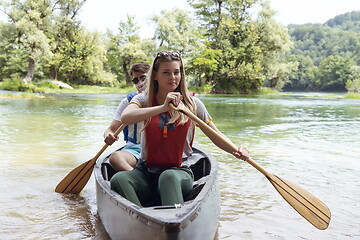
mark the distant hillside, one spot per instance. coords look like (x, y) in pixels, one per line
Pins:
(339, 36)
(349, 21)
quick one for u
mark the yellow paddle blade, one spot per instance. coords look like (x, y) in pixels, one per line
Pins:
(76, 180)
(310, 207)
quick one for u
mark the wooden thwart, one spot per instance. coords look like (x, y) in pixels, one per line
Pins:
(76, 180)
(306, 204)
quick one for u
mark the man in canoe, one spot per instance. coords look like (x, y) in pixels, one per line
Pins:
(125, 159)
(167, 137)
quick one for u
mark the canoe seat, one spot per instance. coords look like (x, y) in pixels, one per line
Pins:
(107, 171)
(197, 187)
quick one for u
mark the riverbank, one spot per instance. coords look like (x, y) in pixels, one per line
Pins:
(20, 90)
(49, 87)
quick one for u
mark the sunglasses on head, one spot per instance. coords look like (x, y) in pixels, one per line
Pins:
(137, 80)
(166, 54)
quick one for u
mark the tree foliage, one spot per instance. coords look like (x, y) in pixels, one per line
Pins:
(333, 72)
(349, 21)
(125, 48)
(174, 30)
(224, 44)
(333, 47)
(246, 45)
(353, 83)
(47, 34)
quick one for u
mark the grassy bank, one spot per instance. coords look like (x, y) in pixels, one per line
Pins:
(29, 90)
(353, 96)
(21, 95)
(206, 88)
(48, 87)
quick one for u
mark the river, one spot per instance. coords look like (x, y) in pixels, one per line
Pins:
(307, 138)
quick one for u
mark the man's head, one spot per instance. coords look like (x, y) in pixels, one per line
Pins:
(139, 71)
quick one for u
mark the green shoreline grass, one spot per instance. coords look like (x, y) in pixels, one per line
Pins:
(34, 91)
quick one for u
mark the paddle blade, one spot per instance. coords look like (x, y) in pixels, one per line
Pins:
(76, 180)
(311, 208)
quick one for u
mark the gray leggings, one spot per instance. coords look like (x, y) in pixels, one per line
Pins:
(139, 186)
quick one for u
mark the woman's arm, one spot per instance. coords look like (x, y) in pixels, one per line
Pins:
(223, 142)
(134, 113)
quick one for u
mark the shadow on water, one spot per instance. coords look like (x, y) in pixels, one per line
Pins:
(85, 217)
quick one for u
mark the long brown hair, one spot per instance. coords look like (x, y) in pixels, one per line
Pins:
(153, 86)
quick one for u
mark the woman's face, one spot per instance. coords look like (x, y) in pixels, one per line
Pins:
(168, 76)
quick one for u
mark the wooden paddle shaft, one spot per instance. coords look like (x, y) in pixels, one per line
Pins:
(212, 131)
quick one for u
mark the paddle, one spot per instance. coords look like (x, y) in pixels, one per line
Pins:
(76, 180)
(311, 208)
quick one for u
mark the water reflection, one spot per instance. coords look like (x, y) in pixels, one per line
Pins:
(84, 217)
(311, 141)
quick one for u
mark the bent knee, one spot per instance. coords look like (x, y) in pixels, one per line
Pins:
(168, 176)
(117, 181)
(115, 157)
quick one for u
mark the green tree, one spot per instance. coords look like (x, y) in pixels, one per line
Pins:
(303, 77)
(81, 60)
(353, 83)
(320, 41)
(13, 61)
(251, 50)
(274, 42)
(175, 30)
(334, 72)
(125, 48)
(226, 29)
(203, 63)
(48, 34)
(347, 21)
(31, 19)
(34, 22)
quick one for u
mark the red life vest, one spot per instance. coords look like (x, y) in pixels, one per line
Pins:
(165, 142)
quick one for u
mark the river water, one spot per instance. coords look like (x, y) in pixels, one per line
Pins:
(309, 139)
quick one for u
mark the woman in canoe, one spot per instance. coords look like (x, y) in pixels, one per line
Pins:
(167, 137)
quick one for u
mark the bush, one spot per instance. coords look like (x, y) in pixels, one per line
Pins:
(17, 86)
(47, 84)
(353, 85)
(206, 88)
(264, 91)
(353, 96)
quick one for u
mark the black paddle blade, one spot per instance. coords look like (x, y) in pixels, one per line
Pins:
(310, 207)
(76, 180)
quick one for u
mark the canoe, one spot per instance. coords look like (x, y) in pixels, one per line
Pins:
(197, 218)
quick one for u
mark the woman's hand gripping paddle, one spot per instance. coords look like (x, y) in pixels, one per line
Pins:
(311, 208)
(76, 180)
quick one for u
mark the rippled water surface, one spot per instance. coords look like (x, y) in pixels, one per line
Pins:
(310, 140)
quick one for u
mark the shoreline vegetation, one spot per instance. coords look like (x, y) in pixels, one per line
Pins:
(235, 47)
(35, 90)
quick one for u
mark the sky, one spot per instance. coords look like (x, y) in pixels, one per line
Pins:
(106, 14)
